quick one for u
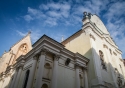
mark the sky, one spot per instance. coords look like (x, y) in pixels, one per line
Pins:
(57, 18)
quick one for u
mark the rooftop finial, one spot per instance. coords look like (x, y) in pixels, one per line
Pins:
(29, 32)
(85, 13)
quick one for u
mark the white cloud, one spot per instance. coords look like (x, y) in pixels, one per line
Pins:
(35, 34)
(52, 10)
(115, 23)
(28, 18)
(68, 13)
(21, 33)
(43, 6)
(51, 21)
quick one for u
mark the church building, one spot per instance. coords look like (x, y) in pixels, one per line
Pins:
(87, 59)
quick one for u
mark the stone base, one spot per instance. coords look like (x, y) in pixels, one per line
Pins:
(98, 83)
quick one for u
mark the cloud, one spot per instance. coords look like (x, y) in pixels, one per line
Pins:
(35, 34)
(28, 18)
(21, 33)
(115, 23)
(70, 14)
(48, 12)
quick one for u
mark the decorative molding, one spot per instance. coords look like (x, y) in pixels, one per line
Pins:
(67, 61)
(91, 36)
(36, 57)
(56, 57)
(105, 46)
(114, 53)
(43, 51)
(21, 64)
(77, 65)
(27, 67)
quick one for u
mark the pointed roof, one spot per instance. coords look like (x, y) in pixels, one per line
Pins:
(21, 39)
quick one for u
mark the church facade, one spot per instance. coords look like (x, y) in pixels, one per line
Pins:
(87, 59)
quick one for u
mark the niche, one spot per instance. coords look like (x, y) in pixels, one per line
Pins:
(47, 71)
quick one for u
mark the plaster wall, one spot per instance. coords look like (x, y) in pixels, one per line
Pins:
(81, 43)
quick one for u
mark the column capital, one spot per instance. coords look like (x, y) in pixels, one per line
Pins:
(21, 64)
(56, 57)
(105, 46)
(43, 51)
(77, 65)
(36, 57)
(91, 36)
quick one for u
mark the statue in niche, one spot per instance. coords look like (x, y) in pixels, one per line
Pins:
(102, 60)
(119, 81)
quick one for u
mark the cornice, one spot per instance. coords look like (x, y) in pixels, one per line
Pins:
(47, 38)
(101, 35)
(81, 57)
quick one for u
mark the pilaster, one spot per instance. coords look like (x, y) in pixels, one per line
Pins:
(55, 72)
(19, 68)
(85, 78)
(77, 76)
(32, 72)
(40, 69)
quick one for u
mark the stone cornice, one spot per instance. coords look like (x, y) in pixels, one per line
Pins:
(114, 53)
(91, 36)
(49, 40)
(81, 57)
(78, 63)
(56, 57)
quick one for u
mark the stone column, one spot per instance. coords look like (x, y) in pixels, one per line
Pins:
(18, 77)
(86, 79)
(14, 79)
(77, 77)
(40, 70)
(55, 72)
(32, 72)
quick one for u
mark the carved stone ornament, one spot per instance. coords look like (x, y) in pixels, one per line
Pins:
(91, 36)
(43, 51)
(67, 61)
(119, 81)
(35, 57)
(21, 64)
(105, 46)
(56, 57)
(77, 65)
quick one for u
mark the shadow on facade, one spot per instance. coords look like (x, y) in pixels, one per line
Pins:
(103, 72)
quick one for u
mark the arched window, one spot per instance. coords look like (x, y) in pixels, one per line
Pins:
(102, 60)
(26, 78)
(44, 86)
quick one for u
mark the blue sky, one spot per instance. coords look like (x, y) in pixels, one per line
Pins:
(57, 18)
